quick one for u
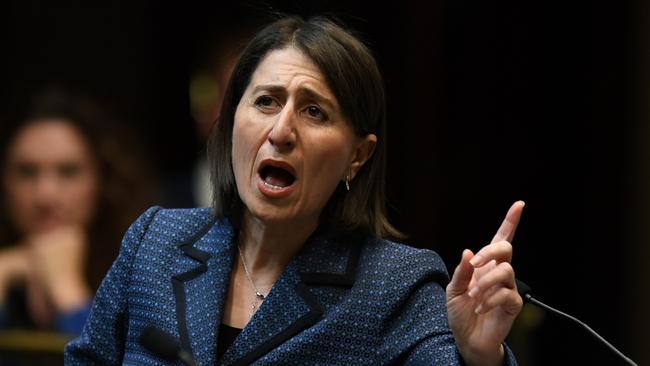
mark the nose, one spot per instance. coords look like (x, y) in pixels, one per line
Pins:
(283, 134)
(47, 190)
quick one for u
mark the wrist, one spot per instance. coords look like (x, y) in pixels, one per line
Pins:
(69, 296)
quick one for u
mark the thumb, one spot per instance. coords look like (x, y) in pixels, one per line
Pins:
(462, 276)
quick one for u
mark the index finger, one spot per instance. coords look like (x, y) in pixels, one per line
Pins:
(509, 225)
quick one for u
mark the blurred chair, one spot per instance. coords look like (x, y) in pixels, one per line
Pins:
(26, 347)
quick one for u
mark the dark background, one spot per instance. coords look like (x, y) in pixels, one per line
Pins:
(489, 102)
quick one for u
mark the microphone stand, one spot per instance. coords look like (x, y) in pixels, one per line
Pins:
(525, 292)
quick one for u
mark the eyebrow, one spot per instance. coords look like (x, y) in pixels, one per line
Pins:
(308, 92)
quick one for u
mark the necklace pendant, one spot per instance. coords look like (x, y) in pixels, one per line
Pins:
(259, 295)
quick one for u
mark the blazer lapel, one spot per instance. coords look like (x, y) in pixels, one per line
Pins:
(200, 288)
(290, 307)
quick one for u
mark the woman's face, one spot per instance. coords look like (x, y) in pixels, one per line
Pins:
(292, 145)
(51, 177)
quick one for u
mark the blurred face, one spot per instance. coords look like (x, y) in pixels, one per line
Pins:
(292, 145)
(51, 177)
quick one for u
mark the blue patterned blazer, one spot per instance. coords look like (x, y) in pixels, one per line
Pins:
(338, 302)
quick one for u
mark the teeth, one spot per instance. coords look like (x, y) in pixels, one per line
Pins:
(272, 186)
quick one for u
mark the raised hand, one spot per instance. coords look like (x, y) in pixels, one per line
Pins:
(482, 298)
(57, 272)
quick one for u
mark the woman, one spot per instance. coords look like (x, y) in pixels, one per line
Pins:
(291, 266)
(65, 188)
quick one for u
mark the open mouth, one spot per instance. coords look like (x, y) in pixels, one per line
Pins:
(276, 177)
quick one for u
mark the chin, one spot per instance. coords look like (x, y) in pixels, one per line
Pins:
(267, 212)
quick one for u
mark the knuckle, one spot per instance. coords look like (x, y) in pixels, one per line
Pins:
(517, 301)
(507, 268)
(505, 246)
(520, 301)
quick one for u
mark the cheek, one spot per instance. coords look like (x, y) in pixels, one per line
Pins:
(85, 195)
(327, 165)
(241, 152)
(20, 200)
(79, 197)
(248, 136)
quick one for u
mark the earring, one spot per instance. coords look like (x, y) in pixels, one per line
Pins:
(347, 182)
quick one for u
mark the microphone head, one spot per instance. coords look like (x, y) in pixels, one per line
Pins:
(159, 343)
(524, 290)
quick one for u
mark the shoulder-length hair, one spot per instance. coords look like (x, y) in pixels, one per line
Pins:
(354, 78)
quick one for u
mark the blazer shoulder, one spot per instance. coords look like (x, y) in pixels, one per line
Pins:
(184, 215)
(184, 225)
(137, 231)
(390, 257)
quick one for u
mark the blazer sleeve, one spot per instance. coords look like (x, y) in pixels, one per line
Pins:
(419, 332)
(102, 339)
(427, 353)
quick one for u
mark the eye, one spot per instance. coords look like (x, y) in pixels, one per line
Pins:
(266, 103)
(69, 171)
(316, 113)
(26, 171)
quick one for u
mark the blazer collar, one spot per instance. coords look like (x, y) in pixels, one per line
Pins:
(288, 309)
(200, 285)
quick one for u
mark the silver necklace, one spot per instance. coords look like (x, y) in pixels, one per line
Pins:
(258, 294)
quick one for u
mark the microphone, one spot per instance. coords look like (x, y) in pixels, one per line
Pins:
(526, 293)
(164, 346)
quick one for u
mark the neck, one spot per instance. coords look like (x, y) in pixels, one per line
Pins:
(268, 247)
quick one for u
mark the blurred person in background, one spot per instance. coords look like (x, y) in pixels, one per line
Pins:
(69, 190)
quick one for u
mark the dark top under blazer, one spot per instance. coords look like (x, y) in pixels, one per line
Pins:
(368, 302)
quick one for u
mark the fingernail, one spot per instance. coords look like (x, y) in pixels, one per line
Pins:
(478, 309)
(476, 260)
(473, 291)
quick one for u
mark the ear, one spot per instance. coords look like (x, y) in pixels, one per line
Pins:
(364, 148)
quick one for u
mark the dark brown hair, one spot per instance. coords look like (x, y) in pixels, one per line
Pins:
(353, 76)
(125, 179)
